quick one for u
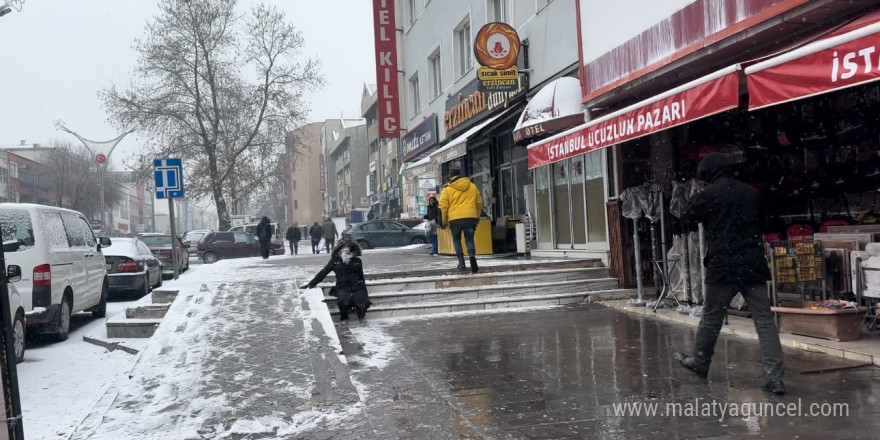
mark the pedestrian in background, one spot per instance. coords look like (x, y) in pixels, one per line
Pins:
(434, 218)
(460, 205)
(315, 232)
(351, 288)
(293, 235)
(264, 235)
(731, 216)
(330, 234)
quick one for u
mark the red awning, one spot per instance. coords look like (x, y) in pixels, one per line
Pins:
(848, 57)
(697, 99)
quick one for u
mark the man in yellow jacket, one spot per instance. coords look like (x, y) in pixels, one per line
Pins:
(460, 207)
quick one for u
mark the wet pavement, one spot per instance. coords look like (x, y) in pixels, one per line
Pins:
(558, 373)
(256, 364)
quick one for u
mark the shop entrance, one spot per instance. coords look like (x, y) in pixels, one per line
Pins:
(571, 200)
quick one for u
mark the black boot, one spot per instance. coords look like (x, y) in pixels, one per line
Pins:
(688, 362)
(774, 386)
(474, 267)
(461, 262)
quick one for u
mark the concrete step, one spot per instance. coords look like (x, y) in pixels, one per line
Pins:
(427, 308)
(132, 328)
(156, 311)
(487, 292)
(522, 277)
(447, 267)
(163, 296)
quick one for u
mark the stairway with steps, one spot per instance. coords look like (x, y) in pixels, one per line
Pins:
(497, 286)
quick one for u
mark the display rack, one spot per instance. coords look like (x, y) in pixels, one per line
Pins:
(798, 262)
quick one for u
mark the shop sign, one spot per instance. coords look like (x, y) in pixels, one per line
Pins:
(693, 101)
(452, 153)
(323, 173)
(420, 139)
(372, 166)
(386, 68)
(548, 126)
(830, 64)
(470, 103)
(496, 47)
(419, 170)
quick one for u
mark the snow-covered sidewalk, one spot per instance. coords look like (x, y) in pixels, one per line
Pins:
(241, 351)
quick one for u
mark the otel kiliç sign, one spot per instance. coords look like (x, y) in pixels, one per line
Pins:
(496, 47)
(386, 68)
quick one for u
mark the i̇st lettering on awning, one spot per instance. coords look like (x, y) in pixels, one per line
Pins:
(703, 97)
(845, 58)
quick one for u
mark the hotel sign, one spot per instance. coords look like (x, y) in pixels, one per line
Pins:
(386, 68)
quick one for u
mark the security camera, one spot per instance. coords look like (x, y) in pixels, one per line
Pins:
(5, 8)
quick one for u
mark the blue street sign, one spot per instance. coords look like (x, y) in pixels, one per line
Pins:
(169, 178)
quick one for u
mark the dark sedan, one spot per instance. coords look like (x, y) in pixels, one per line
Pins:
(384, 233)
(160, 245)
(131, 266)
(220, 245)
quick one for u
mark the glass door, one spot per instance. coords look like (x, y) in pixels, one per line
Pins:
(562, 204)
(507, 192)
(597, 230)
(578, 203)
(544, 214)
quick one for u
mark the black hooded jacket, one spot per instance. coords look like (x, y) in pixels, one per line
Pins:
(349, 276)
(264, 230)
(731, 215)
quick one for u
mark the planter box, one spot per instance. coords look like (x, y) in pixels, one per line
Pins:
(836, 325)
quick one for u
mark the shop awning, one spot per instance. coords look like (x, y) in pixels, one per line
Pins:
(418, 168)
(556, 107)
(458, 146)
(847, 57)
(697, 99)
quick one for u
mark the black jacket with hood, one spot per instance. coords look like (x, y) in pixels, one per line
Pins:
(264, 230)
(349, 275)
(731, 215)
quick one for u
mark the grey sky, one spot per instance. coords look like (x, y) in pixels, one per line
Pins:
(56, 54)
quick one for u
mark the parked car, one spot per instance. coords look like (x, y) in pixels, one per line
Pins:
(131, 266)
(381, 233)
(410, 222)
(61, 265)
(160, 246)
(16, 313)
(220, 245)
(191, 240)
(276, 245)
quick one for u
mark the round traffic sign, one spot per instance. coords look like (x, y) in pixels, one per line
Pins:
(101, 158)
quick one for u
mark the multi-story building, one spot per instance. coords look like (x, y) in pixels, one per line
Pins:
(383, 179)
(303, 184)
(344, 143)
(453, 122)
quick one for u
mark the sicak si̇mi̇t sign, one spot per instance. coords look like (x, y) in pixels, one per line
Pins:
(497, 48)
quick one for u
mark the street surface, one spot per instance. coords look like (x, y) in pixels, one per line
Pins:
(244, 354)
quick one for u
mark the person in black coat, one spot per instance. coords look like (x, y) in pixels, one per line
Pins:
(293, 235)
(351, 289)
(316, 232)
(264, 235)
(731, 216)
(434, 216)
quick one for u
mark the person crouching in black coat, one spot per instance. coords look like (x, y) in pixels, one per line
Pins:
(351, 289)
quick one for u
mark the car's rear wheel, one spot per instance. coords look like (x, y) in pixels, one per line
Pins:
(364, 244)
(100, 310)
(62, 325)
(210, 257)
(159, 283)
(418, 240)
(146, 289)
(19, 334)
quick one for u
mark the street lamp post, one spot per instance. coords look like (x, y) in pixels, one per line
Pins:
(101, 152)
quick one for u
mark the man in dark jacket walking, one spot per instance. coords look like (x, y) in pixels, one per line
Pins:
(330, 234)
(730, 213)
(264, 235)
(315, 232)
(293, 235)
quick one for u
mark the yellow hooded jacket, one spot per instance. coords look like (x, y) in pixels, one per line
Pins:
(460, 199)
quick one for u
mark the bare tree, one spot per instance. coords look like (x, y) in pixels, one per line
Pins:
(75, 176)
(220, 90)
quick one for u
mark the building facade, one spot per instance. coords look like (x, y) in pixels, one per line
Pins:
(303, 173)
(344, 143)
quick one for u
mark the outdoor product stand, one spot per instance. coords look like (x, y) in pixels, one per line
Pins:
(632, 209)
(795, 262)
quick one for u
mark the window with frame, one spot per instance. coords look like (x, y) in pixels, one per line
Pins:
(411, 12)
(435, 69)
(500, 10)
(463, 56)
(415, 102)
(4, 175)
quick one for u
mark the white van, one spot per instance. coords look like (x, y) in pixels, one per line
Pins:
(62, 267)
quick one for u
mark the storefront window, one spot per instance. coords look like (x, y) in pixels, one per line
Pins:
(520, 179)
(561, 211)
(544, 213)
(595, 184)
